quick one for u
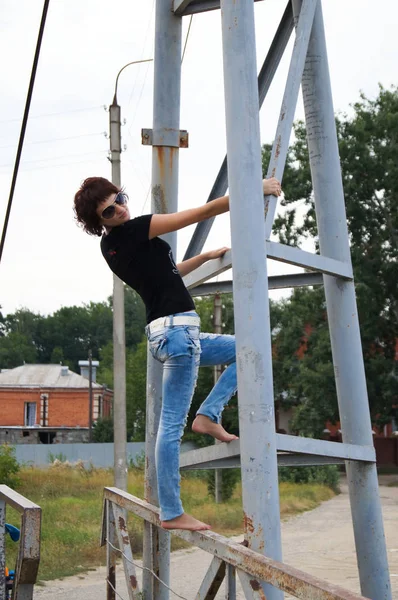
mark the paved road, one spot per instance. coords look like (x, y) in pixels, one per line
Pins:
(320, 542)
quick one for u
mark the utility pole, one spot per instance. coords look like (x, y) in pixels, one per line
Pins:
(217, 319)
(119, 336)
(90, 396)
(119, 340)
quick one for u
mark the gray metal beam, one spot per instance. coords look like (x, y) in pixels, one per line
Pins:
(314, 262)
(297, 583)
(250, 586)
(265, 78)
(285, 123)
(343, 315)
(130, 574)
(212, 580)
(285, 459)
(191, 7)
(284, 443)
(230, 583)
(165, 160)
(260, 495)
(278, 252)
(275, 282)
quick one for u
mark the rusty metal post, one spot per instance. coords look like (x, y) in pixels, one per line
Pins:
(252, 324)
(343, 314)
(111, 554)
(165, 142)
(2, 550)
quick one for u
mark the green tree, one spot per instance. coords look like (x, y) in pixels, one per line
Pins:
(103, 430)
(15, 350)
(75, 330)
(368, 144)
(136, 392)
(135, 318)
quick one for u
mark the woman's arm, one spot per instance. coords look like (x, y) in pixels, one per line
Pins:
(161, 224)
(189, 265)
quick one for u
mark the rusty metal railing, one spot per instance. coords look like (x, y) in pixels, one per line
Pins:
(28, 559)
(230, 558)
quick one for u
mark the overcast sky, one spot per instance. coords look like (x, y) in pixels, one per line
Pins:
(48, 262)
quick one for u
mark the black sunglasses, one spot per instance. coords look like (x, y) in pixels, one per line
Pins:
(109, 212)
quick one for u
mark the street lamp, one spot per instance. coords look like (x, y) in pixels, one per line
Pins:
(119, 338)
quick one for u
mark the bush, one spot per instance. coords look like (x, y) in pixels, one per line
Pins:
(103, 430)
(9, 466)
(230, 477)
(326, 474)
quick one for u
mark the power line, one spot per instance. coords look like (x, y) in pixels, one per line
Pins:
(186, 39)
(142, 54)
(56, 114)
(24, 122)
(68, 164)
(38, 160)
(59, 139)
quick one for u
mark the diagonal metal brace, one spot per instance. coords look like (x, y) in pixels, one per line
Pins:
(212, 580)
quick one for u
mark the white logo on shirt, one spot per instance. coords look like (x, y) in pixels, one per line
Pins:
(175, 270)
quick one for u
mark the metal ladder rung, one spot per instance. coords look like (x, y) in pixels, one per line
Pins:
(292, 450)
(279, 252)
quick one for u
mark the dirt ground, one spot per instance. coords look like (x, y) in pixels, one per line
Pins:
(320, 542)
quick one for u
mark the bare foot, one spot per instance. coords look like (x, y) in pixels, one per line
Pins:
(203, 424)
(185, 521)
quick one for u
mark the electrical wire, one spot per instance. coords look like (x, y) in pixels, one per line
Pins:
(68, 164)
(142, 54)
(186, 39)
(56, 114)
(59, 139)
(143, 569)
(24, 123)
(39, 160)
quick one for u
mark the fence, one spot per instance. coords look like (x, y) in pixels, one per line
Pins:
(230, 558)
(29, 545)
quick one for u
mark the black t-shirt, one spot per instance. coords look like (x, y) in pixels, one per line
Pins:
(147, 266)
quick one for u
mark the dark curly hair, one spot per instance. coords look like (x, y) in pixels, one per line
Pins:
(92, 192)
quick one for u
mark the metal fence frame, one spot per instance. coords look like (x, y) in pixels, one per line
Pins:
(28, 559)
(229, 558)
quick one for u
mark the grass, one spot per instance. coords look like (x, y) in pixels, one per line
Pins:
(71, 502)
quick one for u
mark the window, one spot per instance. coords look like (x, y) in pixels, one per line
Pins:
(30, 414)
(98, 407)
(44, 410)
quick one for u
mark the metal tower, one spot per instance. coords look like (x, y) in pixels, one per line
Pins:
(258, 447)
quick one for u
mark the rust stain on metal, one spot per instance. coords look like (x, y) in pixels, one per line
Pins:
(122, 524)
(158, 198)
(184, 140)
(254, 584)
(133, 581)
(248, 524)
(278, 147)
(144, 139)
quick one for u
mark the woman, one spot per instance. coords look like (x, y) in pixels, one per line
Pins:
(136, 253)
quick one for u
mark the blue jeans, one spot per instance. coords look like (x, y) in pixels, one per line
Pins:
(182, 349)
